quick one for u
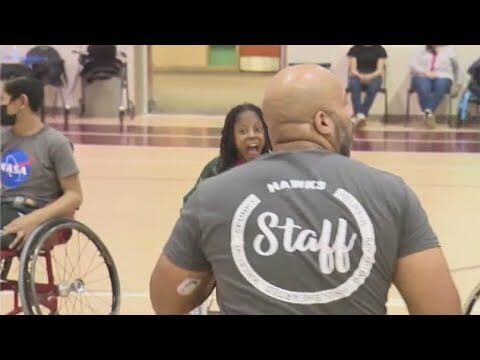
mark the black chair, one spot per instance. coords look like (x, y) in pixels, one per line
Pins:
(383, 90)
(10, 71)
(101, 62)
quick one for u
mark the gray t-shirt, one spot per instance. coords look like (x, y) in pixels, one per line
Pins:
(305, 232)
(33, 165)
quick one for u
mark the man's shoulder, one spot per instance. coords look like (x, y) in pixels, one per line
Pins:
(55, 136)
(363, 172)
(54, 133)
(353, 49)
(355, 176)
(309, 157)
(381, 49)
(375, 174)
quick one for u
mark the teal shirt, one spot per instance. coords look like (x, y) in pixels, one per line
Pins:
(211, 169)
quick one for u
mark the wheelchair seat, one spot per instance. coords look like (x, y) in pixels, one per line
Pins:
(100, 63)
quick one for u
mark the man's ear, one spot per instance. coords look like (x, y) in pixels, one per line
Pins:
(25, 101)
(323, 123)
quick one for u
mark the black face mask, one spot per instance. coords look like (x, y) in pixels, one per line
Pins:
(7, 119)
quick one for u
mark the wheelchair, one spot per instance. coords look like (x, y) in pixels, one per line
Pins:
(10, 71)
(49, 67)
(84, 285)
(469, 97)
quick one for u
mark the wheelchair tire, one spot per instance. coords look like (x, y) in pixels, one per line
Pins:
(473, 301)
(31, 252)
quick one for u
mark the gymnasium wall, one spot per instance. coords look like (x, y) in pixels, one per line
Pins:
(398, 76)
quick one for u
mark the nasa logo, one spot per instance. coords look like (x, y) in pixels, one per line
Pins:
(15, 167)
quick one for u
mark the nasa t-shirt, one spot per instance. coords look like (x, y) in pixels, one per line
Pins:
(32, 165)
(305, 232)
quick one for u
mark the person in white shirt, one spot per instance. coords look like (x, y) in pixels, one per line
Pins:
(434, 69)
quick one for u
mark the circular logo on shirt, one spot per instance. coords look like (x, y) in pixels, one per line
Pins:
(15, 167)
(284, 236)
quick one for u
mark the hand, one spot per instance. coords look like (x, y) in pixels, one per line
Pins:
(429, 74)
(22, 227)
(366, 78)
(356, 74)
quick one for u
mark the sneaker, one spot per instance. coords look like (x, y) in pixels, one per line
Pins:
(361, 121)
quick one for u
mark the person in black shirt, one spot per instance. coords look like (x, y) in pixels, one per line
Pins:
(366, 67)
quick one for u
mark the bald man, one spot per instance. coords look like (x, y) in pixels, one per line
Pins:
(304, 230)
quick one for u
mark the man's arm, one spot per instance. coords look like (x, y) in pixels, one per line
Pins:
(424, 282)
(421, 273)
(174, 290)
(352, 65)
(65, 205)
(182, 278)
(380, 69)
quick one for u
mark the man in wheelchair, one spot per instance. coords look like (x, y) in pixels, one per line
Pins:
(40, 177)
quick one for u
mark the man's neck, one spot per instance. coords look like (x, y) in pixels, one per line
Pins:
(29, 124)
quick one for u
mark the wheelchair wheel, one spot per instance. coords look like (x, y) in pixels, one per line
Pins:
(472, 305)
(75, 276)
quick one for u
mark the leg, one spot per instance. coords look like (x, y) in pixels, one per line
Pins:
(441, 87)
(355, 87)
(8, 214)
(422, 87)
(6, 240)
(372, 89)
